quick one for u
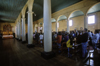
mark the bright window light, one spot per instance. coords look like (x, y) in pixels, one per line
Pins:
(70, 22)
(91, 19)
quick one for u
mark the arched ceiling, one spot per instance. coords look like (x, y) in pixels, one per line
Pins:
(10, 9)
(95, 8)
(76, 13)
(63, 17)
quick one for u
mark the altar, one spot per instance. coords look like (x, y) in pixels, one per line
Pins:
(7, 31)
(7, 35)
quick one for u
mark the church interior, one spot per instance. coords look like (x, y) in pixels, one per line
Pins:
(49, 33)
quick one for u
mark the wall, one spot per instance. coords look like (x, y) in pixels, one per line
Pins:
(62, 25)
(78, 22)
(53, 26)
(92, 27)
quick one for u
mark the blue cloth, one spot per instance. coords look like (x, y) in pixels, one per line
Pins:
(59, 45)
(94, 45)
(66, 38)
(99, 39)
(84, 49)
(69, 54)
(95, 39)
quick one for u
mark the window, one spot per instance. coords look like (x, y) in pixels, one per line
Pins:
(91, 19)
(70, 22)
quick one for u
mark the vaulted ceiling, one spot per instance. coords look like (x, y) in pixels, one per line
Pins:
(10, 9)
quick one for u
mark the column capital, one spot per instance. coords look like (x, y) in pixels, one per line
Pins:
(23, 18)
(30, 4)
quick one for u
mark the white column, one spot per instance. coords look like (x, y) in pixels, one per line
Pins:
(19, 30)
(16, 31)
(47, 26)
(85, 22)
(43, 28)
(56, 26)
(30, 27)
(68, 30)
(23, 30)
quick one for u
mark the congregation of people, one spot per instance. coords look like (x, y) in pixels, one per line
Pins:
(83, 38)
(77, 38)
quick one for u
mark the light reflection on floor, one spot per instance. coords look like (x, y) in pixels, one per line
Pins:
(90, 62)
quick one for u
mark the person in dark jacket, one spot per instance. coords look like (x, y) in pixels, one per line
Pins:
(84, 41)
(0, 36)
(37, 37)
(78, 39)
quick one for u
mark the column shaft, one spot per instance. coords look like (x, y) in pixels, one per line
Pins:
(19, 30)
(56, 27)
(68, 30)
(47, 26)
(23, 30)
(85, 22)
(16, 31)
(30, 27)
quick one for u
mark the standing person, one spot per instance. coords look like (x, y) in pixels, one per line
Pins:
(55, 34)
(53, 38)
(78, 38)
(13, 34)
(41, 39)
(59, 39)
(92, 33)
(66, 38)
(0, 35)
(95, 39)
(69, 45)
(33, 35)
(37, 37)
(89, 34)
(84, 40)
(90, 37)
(75, 33)
(99, 36)
(63, 34)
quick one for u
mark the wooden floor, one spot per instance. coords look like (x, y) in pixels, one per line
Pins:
(14, 53)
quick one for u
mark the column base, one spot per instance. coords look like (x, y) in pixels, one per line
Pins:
(30, 45)
(24, 42)
(47, 55)
(16, 38)
(19, 39)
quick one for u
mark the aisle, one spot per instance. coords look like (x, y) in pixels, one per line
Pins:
(14, 53)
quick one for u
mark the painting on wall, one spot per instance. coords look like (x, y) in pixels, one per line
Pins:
(7, 28)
